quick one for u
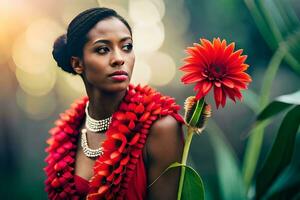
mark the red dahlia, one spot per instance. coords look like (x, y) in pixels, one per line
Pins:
(216, 65)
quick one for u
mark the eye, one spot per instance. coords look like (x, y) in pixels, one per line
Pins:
(127, 47)
(102, 50)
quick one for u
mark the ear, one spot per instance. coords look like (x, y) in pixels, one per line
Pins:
(77, 64)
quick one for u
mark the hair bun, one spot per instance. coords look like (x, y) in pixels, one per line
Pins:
(60, 54)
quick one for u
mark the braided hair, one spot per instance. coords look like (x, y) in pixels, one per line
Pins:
(71, 43)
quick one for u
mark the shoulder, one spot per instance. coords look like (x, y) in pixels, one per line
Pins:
(165, 139)
(164, 125)
(166, 129)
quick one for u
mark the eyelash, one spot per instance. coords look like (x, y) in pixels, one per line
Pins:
(129, 47)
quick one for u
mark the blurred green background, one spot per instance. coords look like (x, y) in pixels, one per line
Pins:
(34, 91)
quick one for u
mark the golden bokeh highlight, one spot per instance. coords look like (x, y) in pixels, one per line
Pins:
(74, 82)
(141, 73)
(36, 84)
(28, 59)
(12, 22)
(148, 35)
(31, 54)
(163, 68)
(41, 34)
(160, 6)
(144, 12)
(75, 7)
(36, 107)
(69, 87)
(148, 39)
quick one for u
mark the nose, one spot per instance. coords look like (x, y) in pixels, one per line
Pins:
(117, 59)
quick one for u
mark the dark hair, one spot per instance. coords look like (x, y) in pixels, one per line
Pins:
(71, 43)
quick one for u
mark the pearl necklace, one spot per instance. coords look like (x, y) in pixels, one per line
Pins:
(91, 153)
(96, 125)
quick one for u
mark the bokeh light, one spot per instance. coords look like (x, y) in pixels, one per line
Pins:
(28, 59)
(163, 68)
(141, 73)
(36, 107)
(148, 38)
(74, 82)
(73, 7)
(36, 84)
(144, 13)
(41, 33)
(69, 87)
(161, 7)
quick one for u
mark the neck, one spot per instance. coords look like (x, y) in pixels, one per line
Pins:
(102, 104)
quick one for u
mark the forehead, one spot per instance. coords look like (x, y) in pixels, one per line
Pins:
(110, 28)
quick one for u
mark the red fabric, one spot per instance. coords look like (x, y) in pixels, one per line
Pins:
(138, 183)
(82, 185)
(119, 172)
(136, 191)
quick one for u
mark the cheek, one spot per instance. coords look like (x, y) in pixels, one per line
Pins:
(131, 61)
(94, 69)
(94, 63)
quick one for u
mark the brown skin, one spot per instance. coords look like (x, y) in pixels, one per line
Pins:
(109, 49)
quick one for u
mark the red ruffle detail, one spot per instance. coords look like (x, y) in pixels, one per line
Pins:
(126, 138)
(62, 150)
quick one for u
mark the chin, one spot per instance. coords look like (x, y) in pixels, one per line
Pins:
(117, 87)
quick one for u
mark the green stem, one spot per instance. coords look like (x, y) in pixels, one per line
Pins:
(269, 30)
(256, 135)
(192, 123)
(270, 21)
(261, 23)
(184, 159)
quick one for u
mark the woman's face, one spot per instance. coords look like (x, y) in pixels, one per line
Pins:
(108, 57)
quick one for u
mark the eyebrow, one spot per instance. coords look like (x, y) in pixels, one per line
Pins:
(109, 42)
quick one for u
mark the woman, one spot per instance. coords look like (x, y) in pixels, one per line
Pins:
(114, 143)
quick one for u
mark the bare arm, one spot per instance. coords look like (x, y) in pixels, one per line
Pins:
(164, 146)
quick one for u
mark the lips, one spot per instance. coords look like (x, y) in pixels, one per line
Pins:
(119, 72)
(119, 75)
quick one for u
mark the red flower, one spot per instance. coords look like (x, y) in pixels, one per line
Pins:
(216, 65)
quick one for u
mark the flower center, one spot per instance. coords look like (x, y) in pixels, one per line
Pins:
(217, 69)
(214, 72)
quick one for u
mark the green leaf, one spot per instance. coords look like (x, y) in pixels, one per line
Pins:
(254, 144)
(272, 109)
(230, 178)
(277, 22)
(261, 23)
(293, 98)
(197, 113)
(286, 185)
(279, 104)
(193, 188)
(257, 133)
(281, 152)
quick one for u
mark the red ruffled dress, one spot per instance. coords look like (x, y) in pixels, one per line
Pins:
(136, 191)
(120, 172)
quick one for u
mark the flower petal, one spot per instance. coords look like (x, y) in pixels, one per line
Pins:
(216, 64)
(228, 83)
(192, 78)
(190, 68)
(206, 86)
(218, 95)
